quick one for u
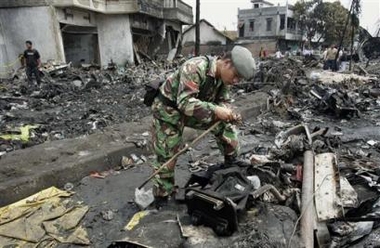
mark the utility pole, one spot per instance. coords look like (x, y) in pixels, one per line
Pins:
(352, 39)
(197, 33)
(344, 31)
(354, 22)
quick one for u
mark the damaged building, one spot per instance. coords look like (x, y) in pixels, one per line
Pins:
(268, 26)
(92, 31)
(212, 41)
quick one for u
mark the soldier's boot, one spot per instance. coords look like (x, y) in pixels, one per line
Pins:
(163, 190)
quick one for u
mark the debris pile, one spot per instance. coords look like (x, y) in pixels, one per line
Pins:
(313, 155)
(45, 219)
(312, 177)
(72, 101)
(335, 117)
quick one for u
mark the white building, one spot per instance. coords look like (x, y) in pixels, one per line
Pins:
(85, 31)
(211, 39)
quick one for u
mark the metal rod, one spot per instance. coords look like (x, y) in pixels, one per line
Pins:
(175, 156)
(308, 217)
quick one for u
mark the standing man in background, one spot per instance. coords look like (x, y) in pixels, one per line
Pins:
(32, 62)
(330, 58)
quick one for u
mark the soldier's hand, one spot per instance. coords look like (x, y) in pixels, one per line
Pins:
(224, 114)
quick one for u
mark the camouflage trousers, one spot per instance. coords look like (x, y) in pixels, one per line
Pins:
(167, 131)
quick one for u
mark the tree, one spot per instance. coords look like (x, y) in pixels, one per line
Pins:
(324, 20)
(302, 14)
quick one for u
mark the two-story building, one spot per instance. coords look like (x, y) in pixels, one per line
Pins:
(268, 26)
(86, 31)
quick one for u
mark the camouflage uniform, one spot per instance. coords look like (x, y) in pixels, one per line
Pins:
(196, 99)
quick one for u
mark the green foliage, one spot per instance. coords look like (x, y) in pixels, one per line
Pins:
(326, 20)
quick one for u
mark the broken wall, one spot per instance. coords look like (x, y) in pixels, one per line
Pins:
(161, 45)
(115, 39)
(37, 24)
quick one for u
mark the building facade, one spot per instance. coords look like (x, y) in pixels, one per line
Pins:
(212, 41)
(91, 31)
(268, 25)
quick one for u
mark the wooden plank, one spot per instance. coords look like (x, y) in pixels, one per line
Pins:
(135, 50)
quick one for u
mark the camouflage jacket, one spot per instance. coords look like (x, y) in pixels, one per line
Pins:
(194, 95)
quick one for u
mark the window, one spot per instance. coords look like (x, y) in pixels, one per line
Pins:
(256, 6)
(269, 24)
(291, 23)
(241, 29)
(282, 22)
(251, 25)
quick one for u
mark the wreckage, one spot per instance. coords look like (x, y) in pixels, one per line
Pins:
(313, 151)
(72, 101)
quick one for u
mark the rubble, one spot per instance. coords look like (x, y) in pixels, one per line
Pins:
(71, 102)
(315, 146)
(327, 113)
(47, 218)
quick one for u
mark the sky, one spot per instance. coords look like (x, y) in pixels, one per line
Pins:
(223, 13)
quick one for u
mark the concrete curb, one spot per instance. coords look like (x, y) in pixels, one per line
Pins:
(58, 162)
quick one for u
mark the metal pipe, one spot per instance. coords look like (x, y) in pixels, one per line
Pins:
(272, 189)
(307, 210)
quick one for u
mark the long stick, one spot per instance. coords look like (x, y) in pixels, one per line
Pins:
(179, 153)
(307, 220)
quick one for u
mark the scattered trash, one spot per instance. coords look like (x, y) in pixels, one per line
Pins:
(96, 174)
(68, 187)
(372, 142)
(136, 219)
(143, 197)
(74, 101)
(126, 163)
(47, 217)
(136, 159)
(107, 215)
(255, 181)
(23, 134)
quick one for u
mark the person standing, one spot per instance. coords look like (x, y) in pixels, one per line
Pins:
(262, 53)
(32, 62)
(330, 58)
(197, 95)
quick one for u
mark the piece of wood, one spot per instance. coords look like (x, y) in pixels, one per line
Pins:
(135, 50)
(361, 69)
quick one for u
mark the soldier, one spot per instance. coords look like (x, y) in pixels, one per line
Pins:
(197, 95)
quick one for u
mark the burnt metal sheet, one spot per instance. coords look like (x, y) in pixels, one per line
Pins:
(327, 187)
